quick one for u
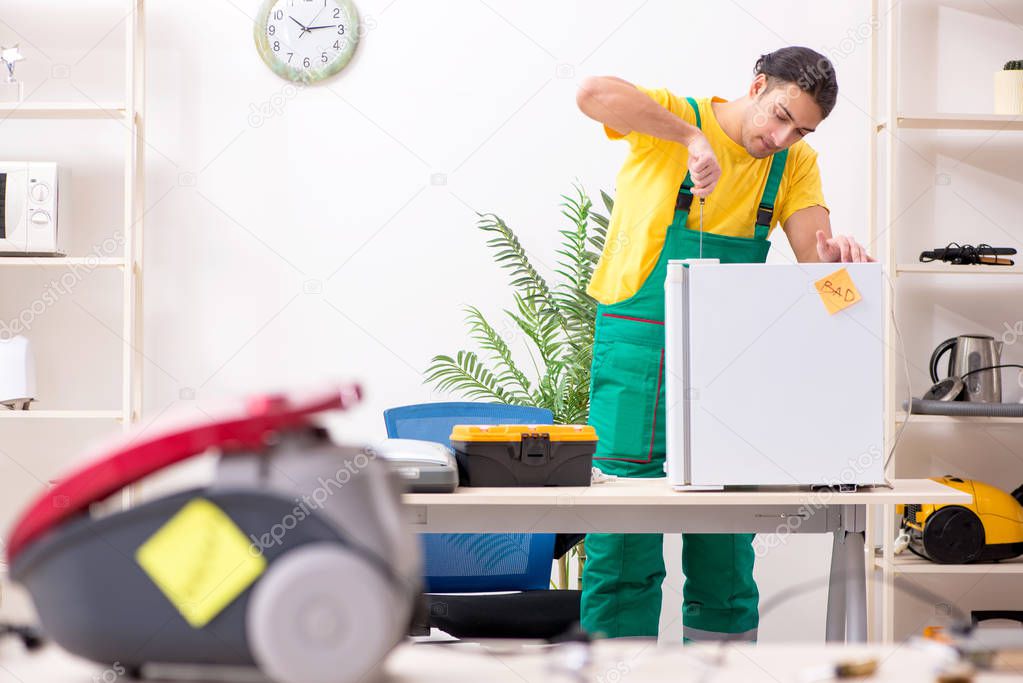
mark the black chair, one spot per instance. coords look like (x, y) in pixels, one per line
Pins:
(487, 585)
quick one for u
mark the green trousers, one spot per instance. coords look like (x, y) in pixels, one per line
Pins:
(623, 572)
(622, 586)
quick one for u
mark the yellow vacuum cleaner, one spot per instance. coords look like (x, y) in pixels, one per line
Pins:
(987, 530)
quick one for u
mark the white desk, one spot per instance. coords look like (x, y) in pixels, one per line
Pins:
(646, 662)
(611, 662)
(650, 506)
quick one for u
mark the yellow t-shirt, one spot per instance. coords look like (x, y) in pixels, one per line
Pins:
(648, 183)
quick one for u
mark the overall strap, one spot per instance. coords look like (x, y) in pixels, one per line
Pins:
(765, 212)
(685, 192)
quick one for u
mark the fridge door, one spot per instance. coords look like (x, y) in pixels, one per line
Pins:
(778, 390)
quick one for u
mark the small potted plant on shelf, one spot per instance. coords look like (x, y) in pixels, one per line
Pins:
(1009, 88)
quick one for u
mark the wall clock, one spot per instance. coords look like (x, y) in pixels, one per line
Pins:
(306, 40)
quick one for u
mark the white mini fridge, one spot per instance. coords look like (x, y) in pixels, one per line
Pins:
(766, 387)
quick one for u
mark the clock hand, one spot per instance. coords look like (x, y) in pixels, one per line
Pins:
(313, 28)
(305, 29)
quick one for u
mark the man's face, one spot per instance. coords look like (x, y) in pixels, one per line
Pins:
(778, 117)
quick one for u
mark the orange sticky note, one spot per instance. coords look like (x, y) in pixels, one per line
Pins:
(837, 291)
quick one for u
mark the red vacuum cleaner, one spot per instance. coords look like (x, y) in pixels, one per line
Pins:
(295, 559)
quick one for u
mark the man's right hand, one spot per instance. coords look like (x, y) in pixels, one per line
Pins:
(621, 106)
(703, 165)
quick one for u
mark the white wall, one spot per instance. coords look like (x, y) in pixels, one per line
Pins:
(316, 244)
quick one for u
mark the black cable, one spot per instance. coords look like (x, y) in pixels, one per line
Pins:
(992, 367)
(967, 254)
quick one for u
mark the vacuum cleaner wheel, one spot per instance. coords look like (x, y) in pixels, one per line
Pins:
(953, 535)
(322, 614)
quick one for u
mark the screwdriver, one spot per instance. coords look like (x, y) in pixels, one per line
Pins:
(701, 227)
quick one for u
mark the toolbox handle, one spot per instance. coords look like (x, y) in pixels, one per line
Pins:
(131, 457)
(535, 449)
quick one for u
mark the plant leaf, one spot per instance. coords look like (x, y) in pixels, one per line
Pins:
(556, 323)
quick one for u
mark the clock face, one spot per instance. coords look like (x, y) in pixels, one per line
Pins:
(306, 40)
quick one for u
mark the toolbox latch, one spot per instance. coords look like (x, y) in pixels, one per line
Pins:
(535, 449)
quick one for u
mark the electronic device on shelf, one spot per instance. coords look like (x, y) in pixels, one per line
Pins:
(33, 209)
(967, 254)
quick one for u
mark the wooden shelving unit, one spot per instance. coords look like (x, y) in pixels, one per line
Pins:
(60, 261)
(908, 563)
(63, 110)
(132, 113)
(969, 122)
(61, 415)
(937, 268)
(885, 87)
(900, 418)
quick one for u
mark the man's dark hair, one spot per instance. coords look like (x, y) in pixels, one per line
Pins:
(811, 71)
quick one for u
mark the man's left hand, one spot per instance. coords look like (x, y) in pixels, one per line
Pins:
(840, 248)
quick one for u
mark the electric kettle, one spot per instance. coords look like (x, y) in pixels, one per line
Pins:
(968, 354)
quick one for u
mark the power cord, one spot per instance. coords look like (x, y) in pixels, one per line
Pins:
(992, 367)
(967, 254)
(905, 366)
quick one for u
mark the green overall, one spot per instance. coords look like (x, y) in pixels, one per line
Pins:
(623, 573)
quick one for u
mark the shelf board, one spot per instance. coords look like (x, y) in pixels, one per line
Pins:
(907, 563)
(900, 418)
(948, 268)
(994, 122)
(60, 414)
(51, 261)
(61, 110)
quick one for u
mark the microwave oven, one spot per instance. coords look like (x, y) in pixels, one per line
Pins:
(33, 209)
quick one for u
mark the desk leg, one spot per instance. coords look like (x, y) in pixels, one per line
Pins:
(855, 588)
(835, 626)
(847, 584)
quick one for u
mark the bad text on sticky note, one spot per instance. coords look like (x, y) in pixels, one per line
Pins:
(837, 291)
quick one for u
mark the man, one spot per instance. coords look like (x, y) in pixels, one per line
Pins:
(747, 164)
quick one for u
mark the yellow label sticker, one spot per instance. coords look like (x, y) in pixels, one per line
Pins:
(200, 560)
(837, 291)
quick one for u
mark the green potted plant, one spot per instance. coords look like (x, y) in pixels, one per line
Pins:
(555, 320)
(1009, 88)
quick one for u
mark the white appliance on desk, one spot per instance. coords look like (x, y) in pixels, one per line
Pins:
(33, 210)
(764, 386)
